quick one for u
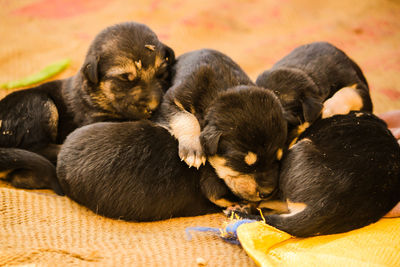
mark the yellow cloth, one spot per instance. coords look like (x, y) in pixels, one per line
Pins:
(375, 245)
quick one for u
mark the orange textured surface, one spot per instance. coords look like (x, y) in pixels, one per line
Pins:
(43, 229)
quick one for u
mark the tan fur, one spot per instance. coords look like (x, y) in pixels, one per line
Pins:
(102, 100)
(106, 90)
(150, 47)
(293, 142)
(138, 65)
(275, 205)
(53, 119)
(222, 170)
(300, 129)
(3, 174)
(222, 202)
(125, 67)
(250, 158)
(342, 102)
(279, 154)
(153, 104)
(178, 104)
(158, 62)
(244, 185)
(147, 74)
(136, 93)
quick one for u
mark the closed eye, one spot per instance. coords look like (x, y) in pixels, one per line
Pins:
(129, 77)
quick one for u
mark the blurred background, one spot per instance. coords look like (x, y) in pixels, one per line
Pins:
(255, 33)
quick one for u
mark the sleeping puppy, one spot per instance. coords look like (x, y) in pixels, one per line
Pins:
(316, 80)
(124, 76)
(342, 174)
(132, 171)
(215, 111)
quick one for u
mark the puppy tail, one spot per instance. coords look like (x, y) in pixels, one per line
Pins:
(26, 169)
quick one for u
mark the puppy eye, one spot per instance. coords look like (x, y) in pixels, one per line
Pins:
(126, 77)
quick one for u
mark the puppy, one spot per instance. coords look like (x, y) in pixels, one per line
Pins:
(316, 80)
(125, 73)
(342, 174)
(214, 111)
(132, 171)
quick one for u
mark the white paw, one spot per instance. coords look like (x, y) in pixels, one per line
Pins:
(191, 152)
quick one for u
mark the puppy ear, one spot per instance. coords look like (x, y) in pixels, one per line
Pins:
(312, 108)
(90, 69)
(262, 79)
(169, 54)
(209, 139)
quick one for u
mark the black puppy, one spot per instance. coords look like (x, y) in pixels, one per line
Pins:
(125, 73)
(342, 174)
(316, 79)
(215, 111)
(132, 171)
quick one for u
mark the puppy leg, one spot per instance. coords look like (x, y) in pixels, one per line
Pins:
(50, 152)
(186, 129)
(251, 211)
(342, 102)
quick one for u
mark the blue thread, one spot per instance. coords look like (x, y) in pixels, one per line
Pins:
(228, 234)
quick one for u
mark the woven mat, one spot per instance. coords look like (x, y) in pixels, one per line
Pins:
(40, 228)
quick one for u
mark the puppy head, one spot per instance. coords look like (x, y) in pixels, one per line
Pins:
(126, 71)
(297, 92)
(243, 139)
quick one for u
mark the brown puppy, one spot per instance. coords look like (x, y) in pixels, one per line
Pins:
(124, 76)
(342, 174)
(215, 112)
(316, 80)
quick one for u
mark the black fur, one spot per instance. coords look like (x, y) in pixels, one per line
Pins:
(308, 76)
(234, 118)
(132, 171)
(346, 169)
(38, 119)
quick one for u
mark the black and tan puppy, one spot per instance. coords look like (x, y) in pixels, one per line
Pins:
(215, 111)
(124, 76)
(342, 174)
(132, 171)
(316, 80)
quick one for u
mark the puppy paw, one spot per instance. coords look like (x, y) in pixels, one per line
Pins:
(342, 102)
(191, 152)
(240, 209)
